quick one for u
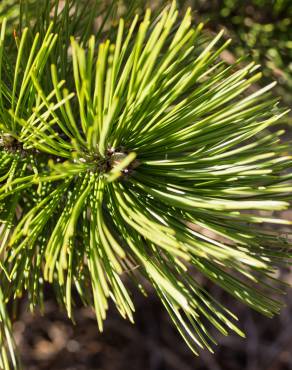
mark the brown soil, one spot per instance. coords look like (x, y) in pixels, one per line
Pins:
(52, 342)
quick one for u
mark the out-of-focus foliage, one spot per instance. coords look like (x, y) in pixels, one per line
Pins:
(262, 28)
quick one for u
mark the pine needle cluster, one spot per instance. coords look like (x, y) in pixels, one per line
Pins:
(133, 152)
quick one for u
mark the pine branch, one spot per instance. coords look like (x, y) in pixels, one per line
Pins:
(145, 156)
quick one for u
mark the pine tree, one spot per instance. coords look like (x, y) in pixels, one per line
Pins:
(131, 151)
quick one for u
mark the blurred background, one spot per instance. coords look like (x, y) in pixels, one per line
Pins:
(263, 30)
(52, 342)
